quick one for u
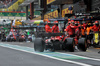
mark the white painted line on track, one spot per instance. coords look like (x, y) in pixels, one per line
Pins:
(82, 56)
(68, 61)
(69, 54)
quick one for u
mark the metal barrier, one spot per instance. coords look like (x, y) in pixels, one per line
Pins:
(12, 17)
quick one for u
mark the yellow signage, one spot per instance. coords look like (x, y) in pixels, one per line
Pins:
(50, 1)
(66, 11)
(63, 13)
(50, 15)
(55, 14)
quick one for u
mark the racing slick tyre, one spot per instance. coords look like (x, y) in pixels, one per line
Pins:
(21, 40)
(39, 45)
(13, 40)
(3, 40)
(82, 45)
(70, 44)
(9, 39)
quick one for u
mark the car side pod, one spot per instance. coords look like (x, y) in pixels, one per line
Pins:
(39, 45)
(82, 45)
(70, 44)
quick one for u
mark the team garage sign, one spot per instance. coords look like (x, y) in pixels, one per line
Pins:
(51, 15)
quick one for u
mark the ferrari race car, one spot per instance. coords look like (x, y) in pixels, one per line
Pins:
(58, 41)
(11, 38)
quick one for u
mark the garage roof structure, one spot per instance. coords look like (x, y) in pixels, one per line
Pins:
(59, 2)
(27, 2)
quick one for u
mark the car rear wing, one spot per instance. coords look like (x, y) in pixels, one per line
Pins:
(52, 34)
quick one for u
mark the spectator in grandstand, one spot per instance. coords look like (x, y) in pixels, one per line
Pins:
(5, 3)
(55, 28)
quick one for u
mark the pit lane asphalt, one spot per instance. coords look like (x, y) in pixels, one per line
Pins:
(9, 57)
(91, 52)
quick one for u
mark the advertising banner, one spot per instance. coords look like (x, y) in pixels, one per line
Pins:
(63, 12)
(18, 14)
(66, 11)
(55, 14)
(50, 1)
(51, 15)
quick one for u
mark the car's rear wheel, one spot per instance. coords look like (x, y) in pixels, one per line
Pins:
(9, 39)
(70, 44)
(3, 40)
(82, 44)
(21, 40)
(39, 45)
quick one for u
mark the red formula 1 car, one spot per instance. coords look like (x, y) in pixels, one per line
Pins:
(58, 41)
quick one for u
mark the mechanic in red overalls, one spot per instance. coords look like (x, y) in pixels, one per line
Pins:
(83, 29)
(55, 28)
(47, 27)
(69, 30)
(73, 27)
(79, 26)
(77, 32)
(68, 26)
(96, 26)
(84, 25)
